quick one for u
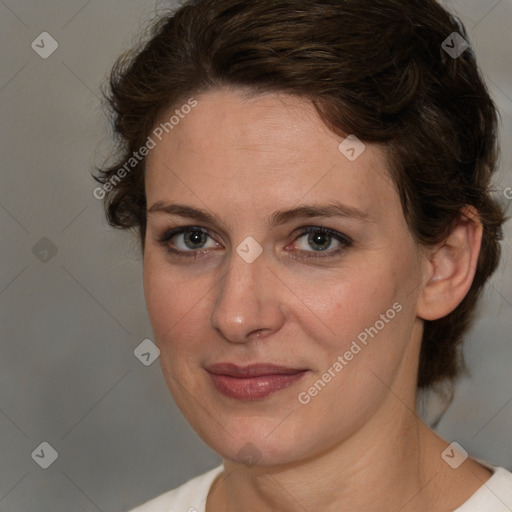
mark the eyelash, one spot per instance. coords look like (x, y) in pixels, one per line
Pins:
(345, 241)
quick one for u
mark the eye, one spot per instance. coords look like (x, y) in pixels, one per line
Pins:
(189, 241)
(320, 239)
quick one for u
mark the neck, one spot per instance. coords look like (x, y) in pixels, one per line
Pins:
(406, 473)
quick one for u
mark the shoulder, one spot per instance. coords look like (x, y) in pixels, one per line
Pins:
(189, 497)
(495, 495)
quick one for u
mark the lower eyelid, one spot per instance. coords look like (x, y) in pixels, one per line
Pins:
(331, 253)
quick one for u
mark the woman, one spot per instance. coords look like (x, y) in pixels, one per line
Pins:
(310, 183)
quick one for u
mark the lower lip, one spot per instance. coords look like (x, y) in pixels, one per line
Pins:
(253, 388)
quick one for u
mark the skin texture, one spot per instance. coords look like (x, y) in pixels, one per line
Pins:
(357, 444)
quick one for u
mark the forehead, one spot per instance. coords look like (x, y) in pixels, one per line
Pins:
(261, 150)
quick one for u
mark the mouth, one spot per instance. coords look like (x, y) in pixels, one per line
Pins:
(253, 382)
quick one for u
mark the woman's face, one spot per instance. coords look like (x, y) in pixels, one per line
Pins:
(246, 287)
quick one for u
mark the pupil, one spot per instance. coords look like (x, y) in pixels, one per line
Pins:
(195, 237)
(317, 238)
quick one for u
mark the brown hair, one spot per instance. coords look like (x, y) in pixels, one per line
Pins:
(373, 68)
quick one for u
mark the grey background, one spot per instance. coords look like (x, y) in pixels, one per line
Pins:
(68, 326)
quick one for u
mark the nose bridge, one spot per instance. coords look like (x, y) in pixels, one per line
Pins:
(246, 300)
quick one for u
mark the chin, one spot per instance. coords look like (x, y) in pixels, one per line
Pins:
(254, 440)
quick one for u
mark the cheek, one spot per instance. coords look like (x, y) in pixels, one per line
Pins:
(157, 297)
(179, 309)
(175, 311)
(368, 312)
(352, 298)
(169, 298)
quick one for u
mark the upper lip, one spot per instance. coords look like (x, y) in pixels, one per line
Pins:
(251, 370)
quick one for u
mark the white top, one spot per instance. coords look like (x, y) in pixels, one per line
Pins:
(495, 495)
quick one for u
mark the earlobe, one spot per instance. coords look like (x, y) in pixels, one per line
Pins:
(451, 267)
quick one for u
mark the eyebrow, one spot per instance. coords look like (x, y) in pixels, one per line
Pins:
(276, 219)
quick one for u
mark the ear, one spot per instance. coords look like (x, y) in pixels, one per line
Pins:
(450, 267)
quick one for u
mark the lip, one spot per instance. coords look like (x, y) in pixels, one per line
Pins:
(252, 382)
(252, 370)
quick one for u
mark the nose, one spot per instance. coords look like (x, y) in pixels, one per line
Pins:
(248, 303)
